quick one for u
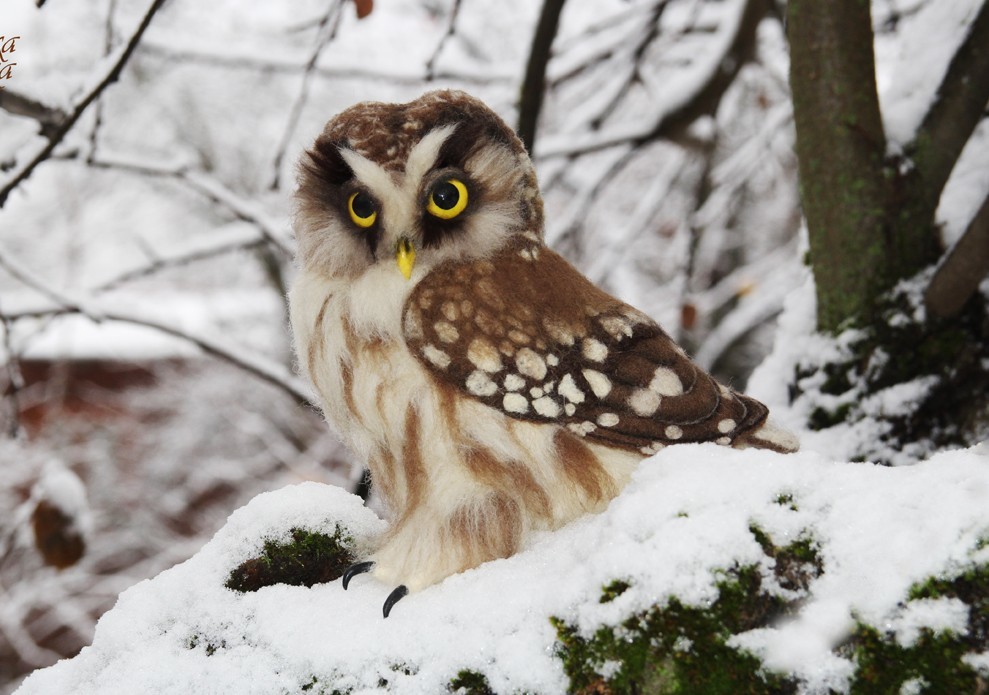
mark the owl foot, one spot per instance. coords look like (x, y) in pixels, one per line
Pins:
(400, 592)
(354, 570)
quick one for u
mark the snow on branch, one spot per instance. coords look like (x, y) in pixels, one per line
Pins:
(271, 231)
(116, 61)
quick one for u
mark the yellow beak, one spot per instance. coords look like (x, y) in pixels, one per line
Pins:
(406, 257)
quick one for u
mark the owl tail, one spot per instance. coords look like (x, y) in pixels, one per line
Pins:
(769, 435)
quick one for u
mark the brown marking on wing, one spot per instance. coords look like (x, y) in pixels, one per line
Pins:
(537, 329)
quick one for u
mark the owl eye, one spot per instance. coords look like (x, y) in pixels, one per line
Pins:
(448, 199)
(361, 208)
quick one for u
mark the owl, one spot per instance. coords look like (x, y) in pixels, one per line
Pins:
(491, 388)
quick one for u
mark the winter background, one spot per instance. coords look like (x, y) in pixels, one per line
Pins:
(147, 368)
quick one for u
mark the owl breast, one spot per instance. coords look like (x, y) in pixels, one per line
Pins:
(462, 475)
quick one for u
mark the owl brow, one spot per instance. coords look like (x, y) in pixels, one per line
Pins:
(327, 164)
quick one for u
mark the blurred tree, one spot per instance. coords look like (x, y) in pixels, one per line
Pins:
(875, 246)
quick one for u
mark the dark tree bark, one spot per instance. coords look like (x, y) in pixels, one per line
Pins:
(871, 224)
(534, 84)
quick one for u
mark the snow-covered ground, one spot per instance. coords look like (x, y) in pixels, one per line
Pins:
(683, 520)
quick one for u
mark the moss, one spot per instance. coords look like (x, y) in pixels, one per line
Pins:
(883, 666)
(613, 590)
(677, 648)
(309, 558)
(785, 499)
(469, 682)
(935, 659)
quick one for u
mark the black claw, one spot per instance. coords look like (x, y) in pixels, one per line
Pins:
(394, 597)
(354, 570)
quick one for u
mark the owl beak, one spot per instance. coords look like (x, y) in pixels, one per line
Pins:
(405, 254)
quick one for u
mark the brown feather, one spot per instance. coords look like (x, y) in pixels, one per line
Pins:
(503, 351)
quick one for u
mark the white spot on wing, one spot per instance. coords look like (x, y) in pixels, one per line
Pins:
(568, 389)
(446, 332)
(726, 426)
(515, 403)
(665, 382)
(513, 382)
(599, 383)
(436, 356)
(480, 384)
(644, 402)
(483, 355)
(673, 432)
(530, 364)
(546, 407)
(594, 350)
(607, 419)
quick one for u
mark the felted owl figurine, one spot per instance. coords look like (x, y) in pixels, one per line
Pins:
(491, 388)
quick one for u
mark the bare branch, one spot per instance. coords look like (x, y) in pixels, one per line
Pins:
(962, 269)
(20, 272)
(957, 110)
(212, 189)
(284, 65)
(451, 29)
(672, 117)
(21, 173)
(534, 84)
(49, 117)
(326, 32)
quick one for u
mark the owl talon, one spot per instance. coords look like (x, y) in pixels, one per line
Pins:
(400, 592)
(354, 570)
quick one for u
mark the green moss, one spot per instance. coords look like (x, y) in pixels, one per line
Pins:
(785, 499)
(676, 648)
(883, 666)
(935, 659)
(470, 683)
(614, 590)
(309, 558)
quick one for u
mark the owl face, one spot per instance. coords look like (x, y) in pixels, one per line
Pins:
(400, 188)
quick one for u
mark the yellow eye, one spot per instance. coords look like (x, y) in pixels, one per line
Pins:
(448, 199)
(361, 209)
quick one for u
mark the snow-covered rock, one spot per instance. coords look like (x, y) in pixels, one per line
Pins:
(693, 517)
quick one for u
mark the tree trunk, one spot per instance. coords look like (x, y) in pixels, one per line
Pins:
(864, 233)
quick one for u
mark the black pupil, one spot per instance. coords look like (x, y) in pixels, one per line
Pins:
(362, 205)
(446, 195)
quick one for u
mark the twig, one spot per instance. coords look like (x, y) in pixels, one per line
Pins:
(721, 67)
(258, 365)
(49, 117)
(323, 38)
(534, 84)
(957, 110)
(23, 172)
(107, 47)
(962, 269)
(212, 189)
(451, 29)
(20, 272)
(281, 65)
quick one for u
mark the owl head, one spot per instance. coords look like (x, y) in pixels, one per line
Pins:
(409, 186)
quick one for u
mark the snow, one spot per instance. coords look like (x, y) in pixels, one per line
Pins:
(683, 519)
